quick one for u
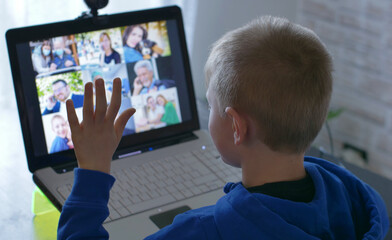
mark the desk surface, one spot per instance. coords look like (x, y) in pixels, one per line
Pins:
(16, 185)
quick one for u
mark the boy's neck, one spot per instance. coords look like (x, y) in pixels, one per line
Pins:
(263, 165)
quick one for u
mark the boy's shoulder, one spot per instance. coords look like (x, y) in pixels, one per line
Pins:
(330, 170)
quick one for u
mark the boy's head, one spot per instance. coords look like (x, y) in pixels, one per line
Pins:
(277, 73)
(59, 126)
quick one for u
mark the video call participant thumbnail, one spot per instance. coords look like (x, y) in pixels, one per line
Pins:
(42, 56)
(131, 38)
(137, 46)
(108, 54)
(170, 114)
(145, 81)
(63, 140)
(154, 111)
(61, 93)
(61, 58)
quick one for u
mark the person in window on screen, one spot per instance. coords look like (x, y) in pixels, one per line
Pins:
(63, 139)
(108, 55)
(41, 57)
(132, 36)
(170, 116)
(61, 58)
(145, 82)
(61, 93)
(154, 111)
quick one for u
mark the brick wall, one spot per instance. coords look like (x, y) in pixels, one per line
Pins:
(358, 33)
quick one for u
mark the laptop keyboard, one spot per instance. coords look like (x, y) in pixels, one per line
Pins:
(158, 183)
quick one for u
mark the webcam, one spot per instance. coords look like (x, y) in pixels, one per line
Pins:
(94, 5)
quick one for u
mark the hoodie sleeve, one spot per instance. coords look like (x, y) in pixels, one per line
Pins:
(86, 209)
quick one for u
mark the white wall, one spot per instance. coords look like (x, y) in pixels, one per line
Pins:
(216, 17)
(360, 41)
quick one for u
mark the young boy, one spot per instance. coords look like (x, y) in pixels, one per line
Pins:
(63, 140)
(269, 85)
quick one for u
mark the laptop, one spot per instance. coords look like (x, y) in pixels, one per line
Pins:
(164, 164)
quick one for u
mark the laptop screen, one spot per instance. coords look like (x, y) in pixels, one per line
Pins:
(52, 63)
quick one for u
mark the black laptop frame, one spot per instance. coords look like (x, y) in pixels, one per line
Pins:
(128, 143)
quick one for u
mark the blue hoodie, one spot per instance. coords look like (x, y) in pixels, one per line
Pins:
(343, 207)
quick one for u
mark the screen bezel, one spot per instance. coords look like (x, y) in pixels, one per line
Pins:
(32, 33)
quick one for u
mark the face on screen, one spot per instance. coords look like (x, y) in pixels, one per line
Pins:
(145, 76)
(61, 91)
(105, 43)
(134, 37)
(60, 126)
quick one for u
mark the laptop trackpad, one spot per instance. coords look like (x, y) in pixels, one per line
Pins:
(166, 218)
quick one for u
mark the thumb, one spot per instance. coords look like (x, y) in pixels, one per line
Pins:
(122, 120)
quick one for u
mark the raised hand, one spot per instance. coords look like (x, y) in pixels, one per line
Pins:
(96, 138)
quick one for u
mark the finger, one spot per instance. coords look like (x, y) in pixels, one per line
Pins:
(122, 120)
(72, 118)
(115, 102)
(100, 97)
(88, 106)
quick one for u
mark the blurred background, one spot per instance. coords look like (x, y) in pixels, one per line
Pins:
(356, 32)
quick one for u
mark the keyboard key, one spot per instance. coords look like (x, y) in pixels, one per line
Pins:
(189, 184)
(204, 179)
(187, 177)
(162, 191)
(169, 173)
(161, 184)
(204, 188)
(152, 186)
(195, 174)
(178, 179)
(161, 176)
(180, 186)
(135, 199)
(154, 194)
(123, 212)
(196, 191)
(178, 196)
(115, 204)
(144, 196)
(125, 202)
(171, 189)
(114, 215)
(187, 193)
(142, 188)
(169, 182)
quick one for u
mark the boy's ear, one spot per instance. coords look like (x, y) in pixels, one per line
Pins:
(239, 125)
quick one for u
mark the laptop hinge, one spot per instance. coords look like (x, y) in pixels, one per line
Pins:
(153, 145)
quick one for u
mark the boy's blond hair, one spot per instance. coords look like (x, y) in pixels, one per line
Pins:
(277, 72)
